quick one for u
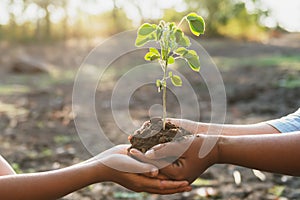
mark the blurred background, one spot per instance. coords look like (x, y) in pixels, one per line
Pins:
(40, 20)
(254, 43)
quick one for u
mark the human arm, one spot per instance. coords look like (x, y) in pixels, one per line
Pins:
(289, 123)
(224, 129)
(277, 153)
(57, 183)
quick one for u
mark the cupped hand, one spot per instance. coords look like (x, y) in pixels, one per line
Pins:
(186, 163)
(135, 175)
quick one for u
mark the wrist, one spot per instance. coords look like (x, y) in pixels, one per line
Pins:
(100, 171)
(221, 146)
(207, 149)
(213, 140)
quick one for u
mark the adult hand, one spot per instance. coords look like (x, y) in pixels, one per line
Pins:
(186, 163)
(135, 175)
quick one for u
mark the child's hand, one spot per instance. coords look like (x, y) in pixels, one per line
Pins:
(135, 175)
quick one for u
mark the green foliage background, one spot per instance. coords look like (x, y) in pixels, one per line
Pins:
(223, 18)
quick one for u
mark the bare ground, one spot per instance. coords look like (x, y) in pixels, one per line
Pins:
(38, 131)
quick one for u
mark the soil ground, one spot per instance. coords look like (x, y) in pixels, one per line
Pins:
(37, 130)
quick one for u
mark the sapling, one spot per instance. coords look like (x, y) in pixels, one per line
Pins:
(173, 45)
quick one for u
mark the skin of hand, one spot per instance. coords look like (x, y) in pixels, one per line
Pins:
(57, 183)
(186, 163)
(277, 153)
(149, 181)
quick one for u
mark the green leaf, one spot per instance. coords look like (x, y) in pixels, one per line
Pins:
(153, 54)
(176, 80)
(172, 25)
(154, 50)
(158, 85)
(140, 40)
(159, 32)
(181, 39)
(146, 29)
(196, 23)
(171, 60)
(170, 74)
(193, 60)
(191, 53)
(146, 33)
(181, 51)
(150, 56)
(164, 54)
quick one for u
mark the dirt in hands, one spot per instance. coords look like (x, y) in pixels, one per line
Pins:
(152, 133)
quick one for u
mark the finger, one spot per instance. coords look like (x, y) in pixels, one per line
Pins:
(143, 167)
(141, 157)
(170, 191)
(170, 185)
(161, 186)
(156, 175)
(170, 149)
(125, 163)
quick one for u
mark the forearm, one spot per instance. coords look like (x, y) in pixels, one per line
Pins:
(278, 153)
(231, 129)
(47, 185)
(224, 129)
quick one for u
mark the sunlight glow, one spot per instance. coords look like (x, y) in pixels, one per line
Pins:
(283, 12)
(286, 13)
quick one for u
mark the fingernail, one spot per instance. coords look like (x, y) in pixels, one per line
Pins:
(154, 172)
(159, 146)
(185, 183)
(134, 151)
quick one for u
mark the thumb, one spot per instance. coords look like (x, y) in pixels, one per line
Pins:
(170, 149)
(127, 164)
(147, 169)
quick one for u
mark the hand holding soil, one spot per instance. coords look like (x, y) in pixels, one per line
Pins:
(152, 133)
(179, 160)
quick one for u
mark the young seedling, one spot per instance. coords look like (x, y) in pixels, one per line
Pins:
(173, 45)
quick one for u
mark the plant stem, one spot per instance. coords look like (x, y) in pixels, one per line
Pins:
(165, 94)
(181, 22)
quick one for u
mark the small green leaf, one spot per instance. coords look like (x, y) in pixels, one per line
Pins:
(164, 54)
(172, 25)
(196, 23)
(176, 80)
(158, 85)
(146, 33)
(193, 60)
(181, 51)
(191, 53)
(146, 29)
(150, 56)
(170, 74)
(140, 40)
(171, 60)
(154, 50)
(181, 39)
(159, 32)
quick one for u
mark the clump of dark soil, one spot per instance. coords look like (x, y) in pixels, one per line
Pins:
(152, 133)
